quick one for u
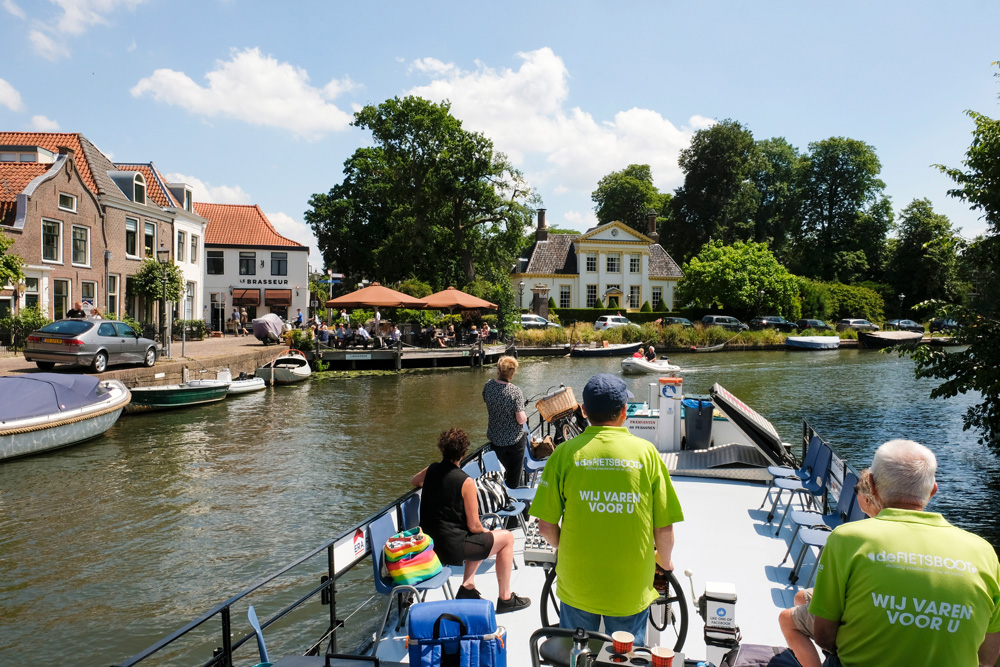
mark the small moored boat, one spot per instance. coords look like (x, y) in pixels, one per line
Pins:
(169, 396)
(639, 366)
(242, 385)
(43, 411)
(877, 340)
(292, 366)
(813, 342)
(609, 351)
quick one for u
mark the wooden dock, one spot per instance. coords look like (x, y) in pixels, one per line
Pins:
(399, 358)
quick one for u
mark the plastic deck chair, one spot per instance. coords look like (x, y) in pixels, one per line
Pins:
(491, 463)
(515, 508)
(379, 531)
(816, 537)
(410, 510)
(532, 466)
(807, 489)
(814, 519)
(778, 472)
(255, 624)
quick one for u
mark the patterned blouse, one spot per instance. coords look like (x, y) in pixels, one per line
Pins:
(503, 402)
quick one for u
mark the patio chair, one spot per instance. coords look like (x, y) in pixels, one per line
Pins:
(814, 519)
(807, 489)
(491, 463)
(379, 531)
(778, 472)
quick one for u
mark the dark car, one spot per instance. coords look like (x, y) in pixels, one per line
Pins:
(944, 325)
(856, 324)
(905, 325)
(724, 321)
(816, 325)
(772, 322)
(93, 343)
(682, 321)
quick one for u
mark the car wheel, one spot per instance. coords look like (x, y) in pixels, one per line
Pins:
(45, 365)
(150, 358)
(100, 363)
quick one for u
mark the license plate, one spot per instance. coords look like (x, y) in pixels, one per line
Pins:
(57, 341)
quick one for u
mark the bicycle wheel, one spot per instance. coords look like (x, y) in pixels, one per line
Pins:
(549, 601)
(566, 429)
(673, 612)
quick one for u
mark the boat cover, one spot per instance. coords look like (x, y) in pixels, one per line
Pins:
(39, 394)
(757, 429)
(268, 327)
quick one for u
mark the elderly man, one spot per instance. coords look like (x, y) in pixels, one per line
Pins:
(613, 495)
(906, 587)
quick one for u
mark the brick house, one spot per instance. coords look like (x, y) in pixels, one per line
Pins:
(248, 264)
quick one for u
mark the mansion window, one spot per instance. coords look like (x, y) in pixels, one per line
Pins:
(131, 237)
(591, 262)
(216, 263)
(279, 263)
(657, 297)
(81, 246)
(591, 295)
(247, 263)
(634, 294)
(564, 296)
(614, 262)
(633, 263)
(51, 241)
(67, 202)
(149, 239)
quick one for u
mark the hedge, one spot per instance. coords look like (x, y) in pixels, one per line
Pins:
(570, 315)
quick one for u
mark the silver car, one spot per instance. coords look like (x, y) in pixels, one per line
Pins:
(93, 343)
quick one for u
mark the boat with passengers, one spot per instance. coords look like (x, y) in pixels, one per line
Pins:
(737, 558)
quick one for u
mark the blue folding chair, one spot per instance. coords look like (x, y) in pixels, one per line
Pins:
(817, 537)
(255, 624)
(410, 510)
(379, 531)
(814, 519)
(491, 463)
(807, 489)
(514, 508)
(803, 472)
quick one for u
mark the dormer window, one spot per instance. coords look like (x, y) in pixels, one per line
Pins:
(139, 189)
(188, 205)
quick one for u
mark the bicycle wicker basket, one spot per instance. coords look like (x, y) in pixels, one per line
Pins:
(557, 405)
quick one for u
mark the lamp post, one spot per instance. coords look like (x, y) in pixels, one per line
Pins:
(329, 311)
(901, 297)
(163, 257)
(183, 326)
(760, 302)
(520, 295)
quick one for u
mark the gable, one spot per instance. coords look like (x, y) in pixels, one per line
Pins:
(616, 232)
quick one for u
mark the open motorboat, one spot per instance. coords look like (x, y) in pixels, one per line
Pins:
(287, 368)
(595, 350)
(813, 342)
(637, 365)
(170, 396)
(43, 411)
(244, 384)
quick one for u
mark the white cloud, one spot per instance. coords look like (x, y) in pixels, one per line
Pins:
(299, 231)
(211, 194)
(565, 149)
(13, 9)
(79, 15)
(9, 97)
(47, 47)
(256, 89)
(43, 124)
(131, 47)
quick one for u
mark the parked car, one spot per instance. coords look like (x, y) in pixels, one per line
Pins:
(944, 325)
(93, 343)
(682, 321)
(529, 321)
(856, 324)
(816, 325)
(772, 322)
(612, 321)
(724, 321)
(905, 325)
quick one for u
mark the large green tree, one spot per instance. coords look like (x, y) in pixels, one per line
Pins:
(718, 200)
(923, 261)
(743, 279)
(428, 200)
(845, 215)
(776, 180)
(628, 195)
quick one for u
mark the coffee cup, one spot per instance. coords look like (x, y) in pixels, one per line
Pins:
(622, 641)
(662, 656)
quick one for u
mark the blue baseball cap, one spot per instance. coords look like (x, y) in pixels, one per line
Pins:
(605, 393)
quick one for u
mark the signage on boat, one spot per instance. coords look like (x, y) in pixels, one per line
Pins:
(359, 542)
(351, 356)
(350, 549)
(643, 428)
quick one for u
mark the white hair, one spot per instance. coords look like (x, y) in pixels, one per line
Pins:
(903, 472)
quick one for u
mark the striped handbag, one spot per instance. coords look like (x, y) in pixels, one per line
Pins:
(409, 557)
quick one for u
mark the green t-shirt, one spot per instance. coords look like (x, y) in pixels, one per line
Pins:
(909, 589)
(610, 489)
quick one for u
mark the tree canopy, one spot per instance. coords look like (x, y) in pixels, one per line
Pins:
(628, 195)
(923, 260)
(149, 280)
(428, 200)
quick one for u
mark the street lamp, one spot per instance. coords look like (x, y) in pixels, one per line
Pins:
(329, 311)
(183, 298)
(520, 295)
(901, 297)
(760, 301)
(163, 257)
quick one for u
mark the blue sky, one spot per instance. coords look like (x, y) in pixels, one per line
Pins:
(250, 102)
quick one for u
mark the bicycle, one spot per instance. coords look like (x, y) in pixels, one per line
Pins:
(564, 424)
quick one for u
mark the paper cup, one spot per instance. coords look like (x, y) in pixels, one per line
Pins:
(662, 656)
(622, 641)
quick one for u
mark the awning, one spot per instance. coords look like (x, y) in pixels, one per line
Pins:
(277, 297)
(246, 297)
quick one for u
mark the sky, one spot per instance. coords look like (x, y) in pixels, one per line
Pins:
(251, 102)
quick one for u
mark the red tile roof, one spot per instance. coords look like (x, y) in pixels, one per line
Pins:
(14, 178)
(52, 141)
(238, 224)
(156, 185)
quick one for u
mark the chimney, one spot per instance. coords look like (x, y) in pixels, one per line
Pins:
(542, 234)
(66, 150)
(651, 219)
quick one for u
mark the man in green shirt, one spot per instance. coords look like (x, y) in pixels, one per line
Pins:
(612, 493)
(906, 587)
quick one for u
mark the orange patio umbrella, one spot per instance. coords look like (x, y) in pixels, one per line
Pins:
(452, 298)
(375, 295)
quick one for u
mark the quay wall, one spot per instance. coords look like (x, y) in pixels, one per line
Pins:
(167, 371)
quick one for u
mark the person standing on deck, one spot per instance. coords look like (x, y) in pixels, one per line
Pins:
(617, 506)
(906, 587)
(505, 427)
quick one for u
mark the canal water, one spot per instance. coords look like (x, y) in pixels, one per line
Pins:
(109, 546)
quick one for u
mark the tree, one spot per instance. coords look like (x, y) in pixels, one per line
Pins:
(976, 368)
(11, 266)
(732, 278)
(923, 262)
(776, 180)
(428, 200)
(845, 216)
(718, 200)
(627, 196)
(158, 281)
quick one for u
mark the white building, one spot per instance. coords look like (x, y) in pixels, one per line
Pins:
(250, 265)
(609, 260)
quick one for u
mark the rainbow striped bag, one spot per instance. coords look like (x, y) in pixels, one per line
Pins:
(409, 557)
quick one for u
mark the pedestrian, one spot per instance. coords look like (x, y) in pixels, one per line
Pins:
(344, 317)
(235, 319)
(298, 318)
(243, 321)
(76, 311)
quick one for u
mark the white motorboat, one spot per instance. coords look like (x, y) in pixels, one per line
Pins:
(813, 342)
(287, 368)
(43, 411)
(244, 384)
(639, 366)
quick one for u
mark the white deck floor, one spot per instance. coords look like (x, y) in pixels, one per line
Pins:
(722, 539)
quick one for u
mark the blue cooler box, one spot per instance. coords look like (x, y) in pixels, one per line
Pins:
(462, 633)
